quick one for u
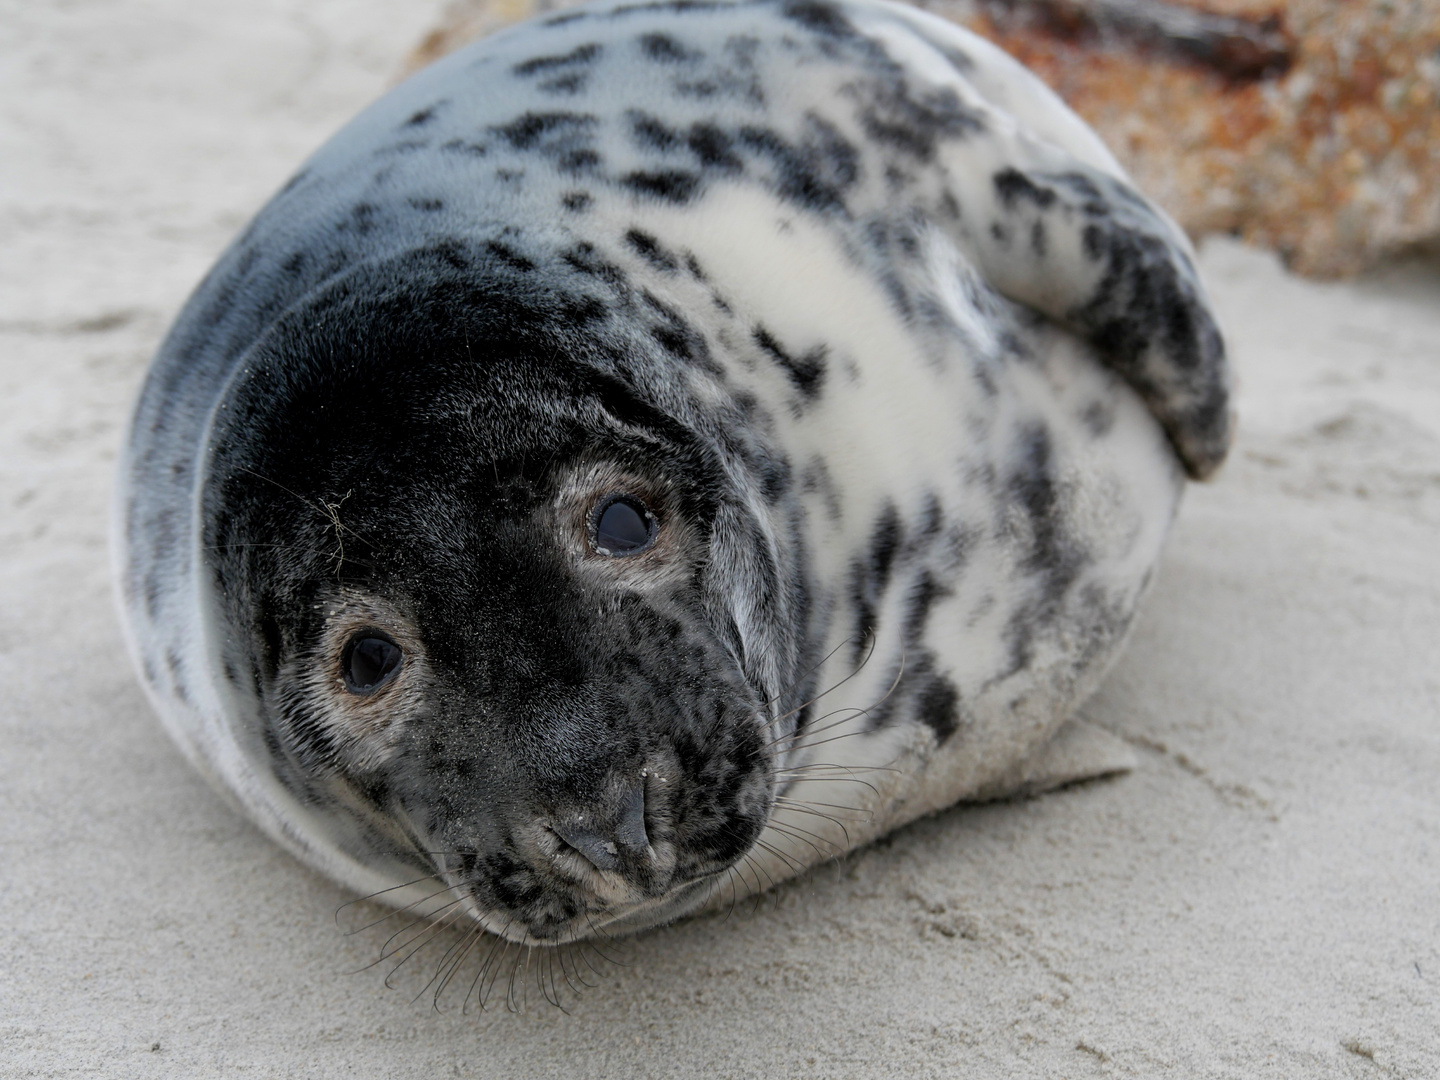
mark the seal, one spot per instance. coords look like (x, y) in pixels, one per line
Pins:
(657, 447)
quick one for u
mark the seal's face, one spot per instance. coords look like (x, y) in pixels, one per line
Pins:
(485, 613)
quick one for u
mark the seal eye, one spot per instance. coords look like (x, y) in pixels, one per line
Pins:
(369, 661)
(623, 526)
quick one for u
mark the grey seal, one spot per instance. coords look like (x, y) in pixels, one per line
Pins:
(649, 430)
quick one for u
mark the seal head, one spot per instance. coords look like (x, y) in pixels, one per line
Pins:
(477, 591)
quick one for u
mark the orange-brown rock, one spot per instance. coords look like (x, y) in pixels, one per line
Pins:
(1308, 126)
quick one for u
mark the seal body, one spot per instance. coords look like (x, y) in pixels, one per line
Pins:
(646, 435)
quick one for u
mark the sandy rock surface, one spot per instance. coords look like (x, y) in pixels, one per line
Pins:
(1257, 900)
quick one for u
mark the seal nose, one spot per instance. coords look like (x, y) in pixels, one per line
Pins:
(605, 840)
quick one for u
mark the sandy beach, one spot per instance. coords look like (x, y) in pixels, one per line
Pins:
(1260, 898)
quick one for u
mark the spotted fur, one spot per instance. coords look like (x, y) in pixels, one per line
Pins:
(907, 370)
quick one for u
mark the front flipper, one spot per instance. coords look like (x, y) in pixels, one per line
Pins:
(1078, 751)
(1029, 193)
(1087, 250)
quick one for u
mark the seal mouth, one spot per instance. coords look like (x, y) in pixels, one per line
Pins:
(661, 910)
(602, 923)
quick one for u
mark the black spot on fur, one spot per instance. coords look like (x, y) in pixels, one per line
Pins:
(671, 185)
(423, 116)
(584, 258)
(577, 312)
(579, 161)
(1051, 557)
(664, 49)
(870, 576)
(914, 125)
(428, 206)
(527, 131)
(576, 200)
(923, 594)
(651, 133)
(885, 540)
(451, 253)
(820, 18)
(573, 83)
(1013, 186)
(675, 334)
(578, 56)
(814, 172)
(807, 372)
(960, 61)
(509, 256)
(1098, 418)
(404, 146)
(645, 245)
(713, 147)
(360, 220)
(937, 705)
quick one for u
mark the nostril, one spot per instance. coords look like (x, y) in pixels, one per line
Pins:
(591, 846)
(605, 840)
(630, 830)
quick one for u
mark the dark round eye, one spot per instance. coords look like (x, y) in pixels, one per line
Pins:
(369, 661)
(623, 526)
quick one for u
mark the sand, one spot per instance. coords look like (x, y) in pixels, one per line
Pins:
(1261, 898)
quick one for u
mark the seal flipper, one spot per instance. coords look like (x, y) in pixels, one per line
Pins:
(1087, 250)
(1078, 751)
(1052, 221)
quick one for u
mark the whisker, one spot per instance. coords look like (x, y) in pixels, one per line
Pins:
(474, 935)
(757, 869)
(441, 914)
(792, 780)
(478, 981)
(420, 941)
(795, 867)
(798, 680)
(416, 918)
(800, 834)
(569, 952)
(830, 689)
(420, 944)
(782, 831)
(593, 969)
(843, 715)
(899, 673)
(394, 911)
(833, 738)
(440, 928)
(808, 807)
(815, 766)
(522, 955)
